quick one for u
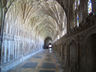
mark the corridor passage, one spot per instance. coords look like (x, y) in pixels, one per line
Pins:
(44, 61)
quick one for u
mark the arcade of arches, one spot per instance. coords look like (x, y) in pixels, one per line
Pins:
(28, 26)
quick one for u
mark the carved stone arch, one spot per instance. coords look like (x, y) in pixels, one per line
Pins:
(73, 56)
(89, 34)
(89, 53)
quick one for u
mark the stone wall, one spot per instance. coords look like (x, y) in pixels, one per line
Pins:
(76, 49)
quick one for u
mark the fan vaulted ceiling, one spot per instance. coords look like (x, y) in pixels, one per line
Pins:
(44, 18)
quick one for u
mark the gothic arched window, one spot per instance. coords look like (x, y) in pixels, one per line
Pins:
(77, 20)
(78, 2)
(89, 6)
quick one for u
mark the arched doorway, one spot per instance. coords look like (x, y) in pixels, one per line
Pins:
(91, 53)
(47, 41)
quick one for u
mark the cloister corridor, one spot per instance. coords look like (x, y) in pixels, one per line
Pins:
(28, 27)
(47, 35)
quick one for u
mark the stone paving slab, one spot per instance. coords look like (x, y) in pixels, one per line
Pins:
(30, 65)
(37, 57)
(48, 65)
(46, 71)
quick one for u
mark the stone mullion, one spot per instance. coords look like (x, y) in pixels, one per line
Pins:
(15, 48)
(18, 50)
(22, 48)
(9, 51)
(5, 51)
(23, 43)
(16, 44)
(6, 28)
(12, 50)
(19, 42)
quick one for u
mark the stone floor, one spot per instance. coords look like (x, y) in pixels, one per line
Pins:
(45, 61)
